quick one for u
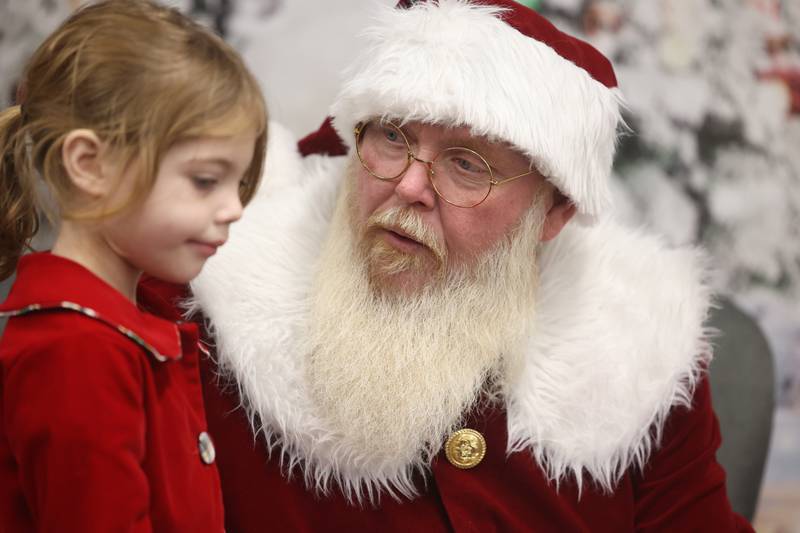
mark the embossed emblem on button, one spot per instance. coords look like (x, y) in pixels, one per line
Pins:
(465, 448)
(206, 447)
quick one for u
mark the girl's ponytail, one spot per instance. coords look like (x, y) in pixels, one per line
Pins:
(18, 216)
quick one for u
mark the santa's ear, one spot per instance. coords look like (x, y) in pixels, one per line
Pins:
(560, 212)
(82, 154)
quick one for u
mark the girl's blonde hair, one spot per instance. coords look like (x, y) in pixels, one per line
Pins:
(142, 77)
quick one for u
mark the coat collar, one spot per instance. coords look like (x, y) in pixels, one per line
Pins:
(617, 343)
(47, 282)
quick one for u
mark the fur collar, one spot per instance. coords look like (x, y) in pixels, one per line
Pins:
(619, 339)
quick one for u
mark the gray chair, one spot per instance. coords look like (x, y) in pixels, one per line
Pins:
(743, 391)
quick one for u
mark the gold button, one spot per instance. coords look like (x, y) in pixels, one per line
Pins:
(465, 448)
(206, 447)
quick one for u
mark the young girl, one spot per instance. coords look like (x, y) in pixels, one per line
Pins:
(145, 133)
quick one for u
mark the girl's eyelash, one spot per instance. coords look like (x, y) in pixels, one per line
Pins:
(204, 181)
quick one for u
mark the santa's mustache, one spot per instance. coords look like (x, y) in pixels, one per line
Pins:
(408, 223)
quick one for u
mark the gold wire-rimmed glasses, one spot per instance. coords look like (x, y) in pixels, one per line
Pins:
(460, 176)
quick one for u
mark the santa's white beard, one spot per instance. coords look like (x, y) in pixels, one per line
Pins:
(393, 376)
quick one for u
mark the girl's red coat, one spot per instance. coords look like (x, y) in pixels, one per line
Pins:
(101, 411)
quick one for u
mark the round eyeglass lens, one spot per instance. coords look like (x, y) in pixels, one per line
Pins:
(382, 149)
(462, 177)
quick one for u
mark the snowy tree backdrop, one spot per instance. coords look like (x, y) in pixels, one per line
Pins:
(713, 88)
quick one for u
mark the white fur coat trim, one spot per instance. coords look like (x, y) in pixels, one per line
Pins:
(420, 64)
(618, 340)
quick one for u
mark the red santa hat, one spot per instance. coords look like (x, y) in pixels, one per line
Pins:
(501, 69)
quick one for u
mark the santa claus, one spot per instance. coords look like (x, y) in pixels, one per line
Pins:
(431, 322)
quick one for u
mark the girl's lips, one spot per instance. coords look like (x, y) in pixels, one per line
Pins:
(206, 248)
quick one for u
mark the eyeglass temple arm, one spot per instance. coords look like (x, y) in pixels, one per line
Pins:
(503, 181)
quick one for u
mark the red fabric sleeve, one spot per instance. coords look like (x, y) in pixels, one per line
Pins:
(683, 487)
(75, 423)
